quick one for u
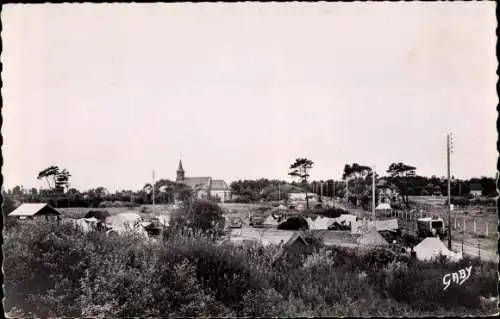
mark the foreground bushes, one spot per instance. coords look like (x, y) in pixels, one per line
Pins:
(54, 269)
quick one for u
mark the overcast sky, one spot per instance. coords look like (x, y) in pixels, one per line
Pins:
(238, 91)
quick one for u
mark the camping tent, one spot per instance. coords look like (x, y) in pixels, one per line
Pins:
(372, 238)
(270, 221)
(122, 219)
(310, 223)
(432, 247)
(323, 222)
(383, 206)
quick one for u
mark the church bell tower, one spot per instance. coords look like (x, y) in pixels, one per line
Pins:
(180, 173)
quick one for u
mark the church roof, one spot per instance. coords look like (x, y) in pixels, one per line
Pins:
(180, 168)
(219, 184)
(193, 181)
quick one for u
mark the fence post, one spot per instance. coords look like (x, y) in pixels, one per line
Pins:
(486, 229)
(465, 227)
(479, 250)
(474, 225)
(455, 223)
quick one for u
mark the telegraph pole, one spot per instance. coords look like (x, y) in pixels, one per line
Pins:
(373, 192)
(347, 189)
(153, 190)
(449, 147)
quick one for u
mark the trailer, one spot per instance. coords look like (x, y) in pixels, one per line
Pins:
(431, 227)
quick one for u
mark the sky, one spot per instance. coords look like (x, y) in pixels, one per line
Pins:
(112, 92)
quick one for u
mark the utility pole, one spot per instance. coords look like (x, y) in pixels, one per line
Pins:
(153, 190)
(373, 192)
(333, 193)
(347, 189)
(449, 149)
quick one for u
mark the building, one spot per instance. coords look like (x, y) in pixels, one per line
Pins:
(476, 190)
(386, 192)
(31, 210)
(206, 186)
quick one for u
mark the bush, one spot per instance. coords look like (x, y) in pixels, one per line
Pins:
(331, 212)
(55, 270)
(205, 215)
(294, 223)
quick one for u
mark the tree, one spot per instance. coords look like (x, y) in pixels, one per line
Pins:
(400, 175)
(202, 215)
(358, 174)
(17, 190)
(50, 171)
(299, 169)
(60, 179)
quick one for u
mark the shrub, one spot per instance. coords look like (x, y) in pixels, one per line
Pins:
(43, 264)
(205, 215)
(294, 223)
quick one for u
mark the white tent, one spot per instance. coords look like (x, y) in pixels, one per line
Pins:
(122, 219)
(432, 247)
(383, 206)
(372, 238)
(310, 223)
(347, 218)
(270, 221)
(323, 222)
(84, 225)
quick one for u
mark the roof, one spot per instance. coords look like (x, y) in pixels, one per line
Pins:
(32, 209)
(335, 237)
(265, 236)
(475, 187)
(180, 168)
(99, 214)
(193, 181)
(219, 184)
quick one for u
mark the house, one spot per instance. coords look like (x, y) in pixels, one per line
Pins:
(31, 210)
(476, 189)
(206, 186)
(386, 191)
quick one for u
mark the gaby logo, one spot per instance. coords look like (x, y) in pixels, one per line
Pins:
(457, 277)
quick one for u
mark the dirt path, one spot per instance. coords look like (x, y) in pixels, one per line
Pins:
(474, 251)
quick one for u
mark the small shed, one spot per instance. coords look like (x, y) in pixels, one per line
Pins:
(32, 210)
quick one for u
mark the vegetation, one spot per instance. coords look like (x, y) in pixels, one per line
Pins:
(201, 215)
(55, 270)
(300, 170)
(294, 223)
(398, 175)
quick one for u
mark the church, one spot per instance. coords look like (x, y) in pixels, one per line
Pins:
(208, 187)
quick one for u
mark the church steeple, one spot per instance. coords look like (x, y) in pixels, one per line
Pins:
(180, 172)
